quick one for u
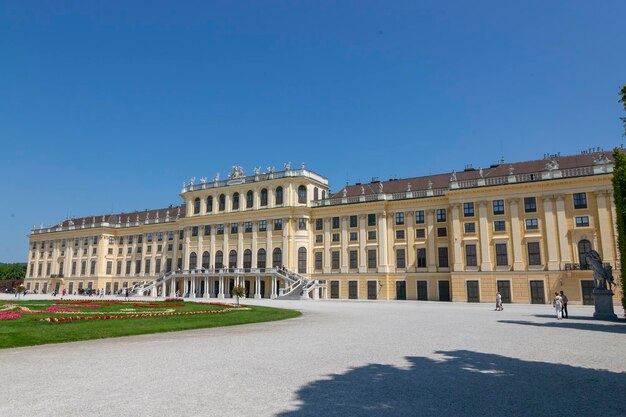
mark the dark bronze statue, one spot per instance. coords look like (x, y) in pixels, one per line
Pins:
(601, 274)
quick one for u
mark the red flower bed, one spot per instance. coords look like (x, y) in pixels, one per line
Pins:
(156, 305)
(8, 315)
(168, 300)
(55, 309)
(131, 316)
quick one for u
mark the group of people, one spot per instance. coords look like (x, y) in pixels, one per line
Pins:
(560, 305)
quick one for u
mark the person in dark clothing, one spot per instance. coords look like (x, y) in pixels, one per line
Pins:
(564, 304)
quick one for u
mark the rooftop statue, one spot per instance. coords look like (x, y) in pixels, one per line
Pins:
(236, 172)
(453, 176)
(601, 274)
(552, 165)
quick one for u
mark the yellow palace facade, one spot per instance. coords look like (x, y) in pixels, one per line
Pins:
(518, 228)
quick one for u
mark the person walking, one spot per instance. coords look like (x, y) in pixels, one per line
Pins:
(564, 301)
(499, 302)
(558, 305)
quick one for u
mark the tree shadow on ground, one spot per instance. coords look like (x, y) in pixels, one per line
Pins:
(567, 324)
(465, 383)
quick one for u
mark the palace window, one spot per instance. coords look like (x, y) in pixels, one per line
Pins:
(207, 230)
(468, 209)
(264, 197)
(470, 227)
(236, 201)
(399, 218)
(278, 224)
(335, 222)
(580, 200)
(222, 203)
(354, 259)
(262, 225)
(206, 258)
(318, 261)
(443, 257)
(400, 234)
(419, 216)
(420, 233)
(534, 254)
(302, 260)
(247, 227)
(441, 215)
(335, 237)
(421, 257)
(249, 199)
(371, 235)
(353, 221)
(194, 231)
(160, 236)
(499, 226)
(302, 194)
(498, 207)
(170, 236)
(319, 238)
(196, 206)
(530, 204)
(247, 259)
(319, 224)
(371, 258)
(261, 259)
(219, 259)
(140, 239)
(470, 255)
(234, 228)
(220, 229)
(582, 221)
(502, 258)
(301, 223)
(371, 219)
(400, 258)
(279, 196)
(442, 231)
(354, 236)
(532, 224)
(209, 204)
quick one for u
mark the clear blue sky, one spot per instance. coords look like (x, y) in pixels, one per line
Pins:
(110, 105)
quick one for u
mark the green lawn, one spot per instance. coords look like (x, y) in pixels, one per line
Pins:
(26, 331)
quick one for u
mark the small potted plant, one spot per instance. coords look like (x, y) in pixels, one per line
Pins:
(20, 289)
(238, 291)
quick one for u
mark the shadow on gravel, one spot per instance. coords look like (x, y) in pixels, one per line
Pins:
(567, 324)
(463, 384)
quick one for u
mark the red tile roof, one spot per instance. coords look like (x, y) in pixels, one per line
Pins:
(443, 180)
(132, 217)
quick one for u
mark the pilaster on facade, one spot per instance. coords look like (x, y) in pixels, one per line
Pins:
(362, 247)
(456, 238)
(483, 224)
(561, 220)
(344, 244)
(430, 240)
(550, 233)
(383, 265)
(518, 263)
(604, 223)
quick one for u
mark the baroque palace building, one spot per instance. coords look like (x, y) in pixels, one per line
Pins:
(518, 228)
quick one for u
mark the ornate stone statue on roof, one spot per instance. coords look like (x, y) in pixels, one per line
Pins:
(362, 190)
(601, 160)
(236, 172)
(511, 169)
(216, 177)
(430, 185)
(287, 166)
(270, 169)
(344, 193)
(408, 187)
(302, 165)
(552, 165)
(192, 180)
(256, 170)
(453, 176)
(203, 180)
(480, 172)
(380, 187)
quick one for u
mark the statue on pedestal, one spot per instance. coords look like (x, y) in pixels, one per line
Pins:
(602, 296)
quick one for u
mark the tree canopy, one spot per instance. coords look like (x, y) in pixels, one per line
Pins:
(622, 99)
(12, 271)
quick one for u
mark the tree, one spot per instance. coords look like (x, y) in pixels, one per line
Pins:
(622, 94)
(619, 192)
(238, 291)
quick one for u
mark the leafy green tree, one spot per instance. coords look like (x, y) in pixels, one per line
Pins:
(619, 191)
(12, 271)
(238, 291)
(622, 99)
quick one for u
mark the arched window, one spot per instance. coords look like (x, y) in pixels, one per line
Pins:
(264, 197)
(277, 258)
(584, 246)
(232, 259)
(261, 259)
(219, 260)
(193, 260)
(323, 194)
(206, 258)
(236, 201)
(249, 199)
(302, 260)
(209, 204)
(222, 203)
(279, 196)
(302, 194)
(247, 259)
(196, 206)
(315, 193)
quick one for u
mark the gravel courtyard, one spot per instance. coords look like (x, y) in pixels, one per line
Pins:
(340, 358)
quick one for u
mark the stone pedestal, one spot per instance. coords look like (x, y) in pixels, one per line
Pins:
(603, 300)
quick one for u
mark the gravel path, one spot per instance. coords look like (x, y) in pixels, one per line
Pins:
(340, 358)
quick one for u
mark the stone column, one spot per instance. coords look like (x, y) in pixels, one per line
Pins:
(550, 233)
(326, 266)
(240, 246)
(225, 245)
(257, 287)
(456, 239)
(268, 251)
(199, 253)
(286, 246)
(382, 242)
(344, 245)
(362, 242)
(411, 253)
(186, 249)
(485, 263)
(220, 294)
(254, 246)
(212, 247)
(605, 226)
(431, 255)
(563, 232)
(518, 263)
